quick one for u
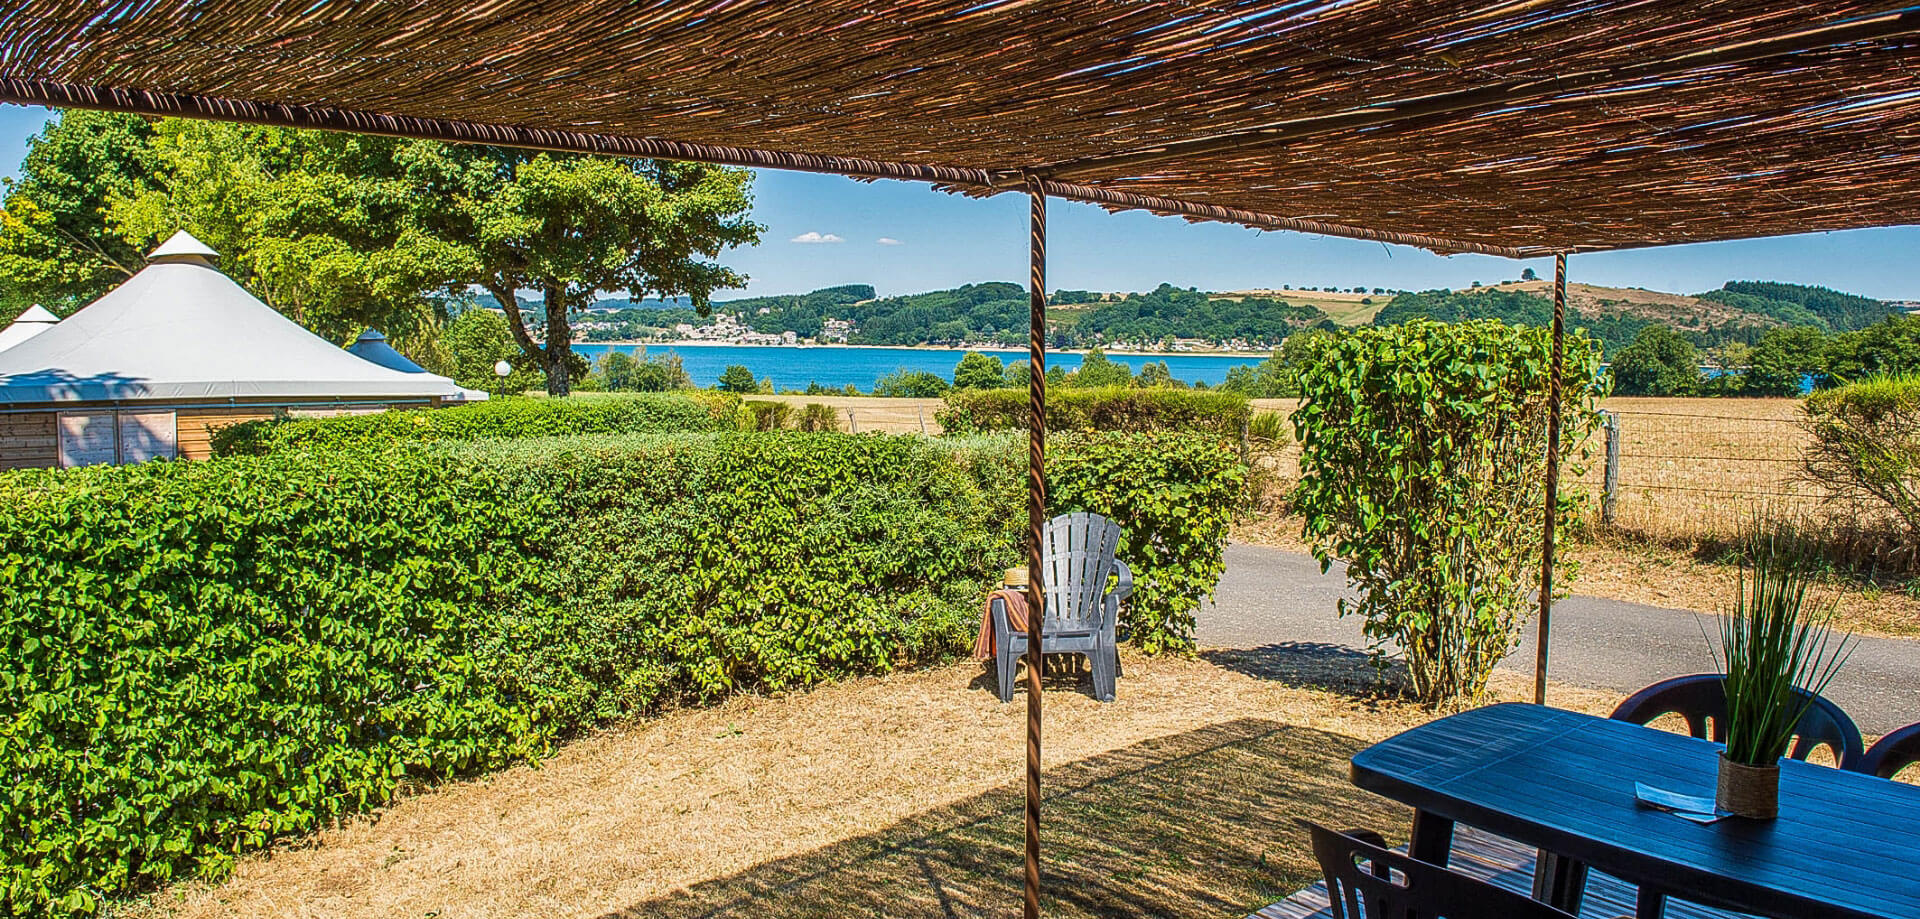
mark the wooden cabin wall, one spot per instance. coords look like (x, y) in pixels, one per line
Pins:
(29, 441)
(194, 427)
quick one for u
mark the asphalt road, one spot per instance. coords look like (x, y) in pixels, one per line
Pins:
(1273, 597)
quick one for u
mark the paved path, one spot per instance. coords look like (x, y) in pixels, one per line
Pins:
(1272, 597)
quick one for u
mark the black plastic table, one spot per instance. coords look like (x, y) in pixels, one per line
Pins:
(1845, 844)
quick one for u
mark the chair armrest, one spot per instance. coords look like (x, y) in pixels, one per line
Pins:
(1124, 588)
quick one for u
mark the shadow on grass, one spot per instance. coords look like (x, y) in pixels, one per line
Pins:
(1313, 665)
(1194, 824)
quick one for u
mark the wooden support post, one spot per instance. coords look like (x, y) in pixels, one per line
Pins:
(1552, 516)
(1610, 482)
(1036, 516)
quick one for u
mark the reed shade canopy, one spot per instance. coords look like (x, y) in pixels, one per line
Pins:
(1507, 127)
(1514, 128)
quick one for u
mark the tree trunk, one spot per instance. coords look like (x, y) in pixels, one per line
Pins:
(559, 350)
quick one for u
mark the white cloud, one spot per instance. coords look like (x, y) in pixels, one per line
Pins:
(815, 236)
(889, 241)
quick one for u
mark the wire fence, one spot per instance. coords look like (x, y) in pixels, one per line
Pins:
(1673, 474)
(1681, 469)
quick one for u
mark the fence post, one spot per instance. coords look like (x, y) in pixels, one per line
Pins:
(1611, 483)
(853, 427)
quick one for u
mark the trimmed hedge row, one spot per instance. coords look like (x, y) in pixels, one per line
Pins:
(495, 418)
(203, 657)
(1108, 408)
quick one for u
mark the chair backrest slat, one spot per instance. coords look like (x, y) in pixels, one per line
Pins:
(1892, 753)
(1078, 561)
(1394, 886)
(1701, 701)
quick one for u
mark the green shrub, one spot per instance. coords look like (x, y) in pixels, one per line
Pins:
(497, 418)
(1865, 448)
(1423, 453)
(771, 416)
(202, 657)
(816, 416)
(1117, 409)
(911, 384)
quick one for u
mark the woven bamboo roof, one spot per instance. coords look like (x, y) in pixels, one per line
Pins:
(1508, 126)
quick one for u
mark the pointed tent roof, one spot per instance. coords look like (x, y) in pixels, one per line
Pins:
(372, 345)
(182, 245)
(35, 320)
(180, 330)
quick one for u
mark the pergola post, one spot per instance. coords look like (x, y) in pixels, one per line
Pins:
(1552, 516)
(1036, 515)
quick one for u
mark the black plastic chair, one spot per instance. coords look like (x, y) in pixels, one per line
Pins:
(1894, 752)
(1701, 700)
(1394, 886)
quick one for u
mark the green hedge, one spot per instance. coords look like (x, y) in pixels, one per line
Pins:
(495, 418)
(204, 657)
(1118, 409)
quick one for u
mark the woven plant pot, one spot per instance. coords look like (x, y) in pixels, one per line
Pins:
(1748, 791)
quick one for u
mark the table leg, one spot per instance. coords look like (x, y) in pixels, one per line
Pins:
(1650, 904)
(1432, 840)
(1559, 881)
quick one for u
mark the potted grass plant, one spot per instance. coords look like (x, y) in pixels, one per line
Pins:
(1778, 650)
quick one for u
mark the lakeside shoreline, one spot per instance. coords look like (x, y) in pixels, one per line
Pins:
(626, 343)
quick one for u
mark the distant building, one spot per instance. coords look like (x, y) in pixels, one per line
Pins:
(152, 368)
(35, 320)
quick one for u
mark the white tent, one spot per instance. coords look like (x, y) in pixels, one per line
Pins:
(372, 345)
(35, 320)
(181, 330)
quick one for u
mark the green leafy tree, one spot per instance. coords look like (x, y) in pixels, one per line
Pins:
(1888, 347)
(1097, 369)
(475, 342)
(1156, 375)
(911, 384)
(58, 244)
(1660, 362)
(978, 371)
(570, 227)
(342, 231)
(1783, 360)
(322, 226)
(617, 371)
(1422, 466)
(738, 379)
(664, 373)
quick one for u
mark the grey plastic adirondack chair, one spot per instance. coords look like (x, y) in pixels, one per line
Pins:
(1081, 612)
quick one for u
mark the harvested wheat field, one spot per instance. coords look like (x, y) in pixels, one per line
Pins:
(873, 413)
(893, 796)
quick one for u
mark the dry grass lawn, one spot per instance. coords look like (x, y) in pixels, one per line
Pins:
(894, 796)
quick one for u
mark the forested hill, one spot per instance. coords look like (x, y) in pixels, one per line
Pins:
(1740, 311)
(995, 312)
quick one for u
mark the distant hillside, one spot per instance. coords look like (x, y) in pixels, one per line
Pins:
(995, 312)
(1799, 304)
(1741, 311)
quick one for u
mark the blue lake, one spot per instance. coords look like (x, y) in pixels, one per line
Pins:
(838, 365)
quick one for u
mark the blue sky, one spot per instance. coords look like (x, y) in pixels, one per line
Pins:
(903, 238)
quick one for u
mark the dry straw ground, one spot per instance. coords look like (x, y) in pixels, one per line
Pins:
(895, 796)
